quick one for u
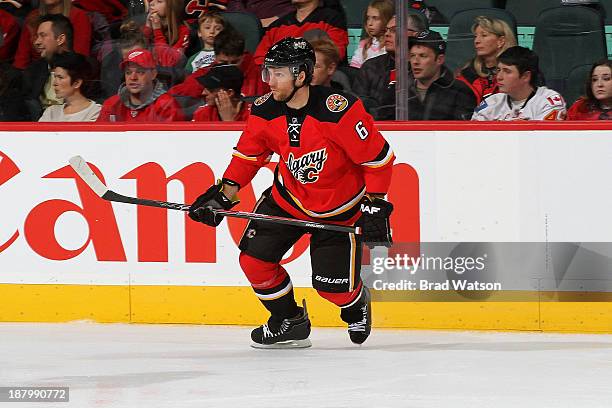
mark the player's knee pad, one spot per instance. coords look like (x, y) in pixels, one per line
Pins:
(262, 274)
(341, 299)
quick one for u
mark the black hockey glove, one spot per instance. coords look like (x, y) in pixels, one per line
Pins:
(374, 222)
(201, 209)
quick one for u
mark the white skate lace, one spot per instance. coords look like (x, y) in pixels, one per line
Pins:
(269, 333)
(360, 326)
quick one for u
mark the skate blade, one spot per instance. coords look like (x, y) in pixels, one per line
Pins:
(289, 344)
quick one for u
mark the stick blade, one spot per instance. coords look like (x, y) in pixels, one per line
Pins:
(86, 173)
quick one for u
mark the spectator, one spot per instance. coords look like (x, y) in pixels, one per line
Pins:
(435, 94)
(71, 78)
(375, 80)
(267, 11)
(17, 8)
(222, 86)
(131, 38)
(9, 34)
(142, 98)
(327, 60)
(520, 98)
(309, 15)
(375, 20)
(80, 23)
(12, 104)
(491, 37)
(113, 11)
(105, 17)
(597, 103)
(209, 25)
(229, 49)
(166, 29)
(53, 36)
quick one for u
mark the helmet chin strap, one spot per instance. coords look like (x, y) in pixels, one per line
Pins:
(295, 89)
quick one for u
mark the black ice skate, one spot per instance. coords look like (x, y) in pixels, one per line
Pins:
(290, 333)
(359, 330)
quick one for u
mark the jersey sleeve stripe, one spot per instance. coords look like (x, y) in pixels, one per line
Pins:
(385, 156)
(244, 156)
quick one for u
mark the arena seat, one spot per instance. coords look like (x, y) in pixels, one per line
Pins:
(248, 25)
(566, 37)
(574, 85)
(354, 10)
(447, 8)
(526, 11)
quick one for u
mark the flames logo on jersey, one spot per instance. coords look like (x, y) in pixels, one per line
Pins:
(262, 99)
(336, 103)
(306, 168)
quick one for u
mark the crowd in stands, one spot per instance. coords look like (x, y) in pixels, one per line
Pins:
(182, 60)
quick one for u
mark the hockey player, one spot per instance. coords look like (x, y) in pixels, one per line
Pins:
(333, 165)
(520, 97)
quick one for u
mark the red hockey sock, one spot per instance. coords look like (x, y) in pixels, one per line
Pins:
(341, 299)
(271, 285)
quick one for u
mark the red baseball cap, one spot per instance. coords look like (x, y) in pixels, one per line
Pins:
(139, 57)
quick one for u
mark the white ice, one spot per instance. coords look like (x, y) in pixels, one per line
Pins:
(172, 366)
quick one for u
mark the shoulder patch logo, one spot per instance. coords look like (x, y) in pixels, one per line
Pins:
(262, 99)
(336, 103)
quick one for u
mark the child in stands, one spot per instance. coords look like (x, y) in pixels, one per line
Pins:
(375, 20)
(209, 25)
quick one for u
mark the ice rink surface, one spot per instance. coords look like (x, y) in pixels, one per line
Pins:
(172, 366)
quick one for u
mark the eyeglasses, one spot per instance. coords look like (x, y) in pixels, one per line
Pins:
(390, 30)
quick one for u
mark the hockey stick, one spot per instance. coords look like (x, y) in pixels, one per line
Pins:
(89, 177)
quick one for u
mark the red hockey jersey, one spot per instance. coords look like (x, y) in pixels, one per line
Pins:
(330, 154)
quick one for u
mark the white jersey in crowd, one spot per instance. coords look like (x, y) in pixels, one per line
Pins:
(544, 104)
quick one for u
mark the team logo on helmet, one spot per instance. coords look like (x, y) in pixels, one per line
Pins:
(336, 103)
(300, 44)
(262, 99)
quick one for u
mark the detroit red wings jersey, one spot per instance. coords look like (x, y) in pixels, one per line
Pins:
(330, 154)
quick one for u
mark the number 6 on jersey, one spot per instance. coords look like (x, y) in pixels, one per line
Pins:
(361, 130)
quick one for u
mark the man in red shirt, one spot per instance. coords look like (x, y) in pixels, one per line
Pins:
(142, 98)
(333, 165)
(222, 86)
